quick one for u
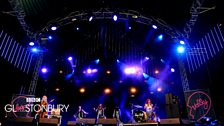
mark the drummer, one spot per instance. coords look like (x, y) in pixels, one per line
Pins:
(149, 110)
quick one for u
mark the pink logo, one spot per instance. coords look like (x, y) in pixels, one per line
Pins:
(199, 104)
(20, 107)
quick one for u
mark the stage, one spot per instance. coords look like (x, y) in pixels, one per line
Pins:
(30, 121)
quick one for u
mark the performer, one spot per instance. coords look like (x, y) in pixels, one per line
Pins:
(117, 113)
(80, 113)
(43, 107)
(100, 112)
(150, 115)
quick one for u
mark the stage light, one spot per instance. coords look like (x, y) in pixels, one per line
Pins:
(108, 72)
(34, 49)
(160, 37)
(130, 70)
(31, 43)
(129, 27)
(94, 70)
(180, 49)
(74, 19)
(53, 28)
(57, 89)
(172, 70)
(44, 70)
(97, 61)
(145, 75)
(107, 91)
(162, 60)
(90, 18)
(70, 58)
(147, 58)
(159, 89)
(115, 17)
(120, 81)
(50, 37)
(89, 71)
(133, 90)
(77, 28)
(118, 61)
(154, 26)
(60, 71)
(182, 42)
(156, 71)
(82, 90)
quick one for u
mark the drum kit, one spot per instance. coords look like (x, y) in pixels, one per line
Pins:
(139, 115)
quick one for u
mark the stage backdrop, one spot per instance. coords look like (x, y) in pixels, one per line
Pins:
(199, 104)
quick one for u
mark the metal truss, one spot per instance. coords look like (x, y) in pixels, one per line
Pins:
(33, 83)
(106, 13)
(20, 14)
(195, 10)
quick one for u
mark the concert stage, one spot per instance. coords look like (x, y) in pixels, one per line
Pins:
(30, 121)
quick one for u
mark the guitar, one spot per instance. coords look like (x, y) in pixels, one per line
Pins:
(42, 108)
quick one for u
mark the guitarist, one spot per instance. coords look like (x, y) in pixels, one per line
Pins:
(43, 108)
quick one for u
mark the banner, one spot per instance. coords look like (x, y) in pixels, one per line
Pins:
(199, 104)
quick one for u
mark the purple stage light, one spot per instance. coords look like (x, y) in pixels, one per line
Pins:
(44, 70)
(94, 70)
(70, 58)
(31, 43)
(172, 70)
(130, 70)
(89, 71)
(159, 89)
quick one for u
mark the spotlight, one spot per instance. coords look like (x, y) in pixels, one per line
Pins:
(154, 26)
(118, 61)
(90, 18)
(57, 89)
(115, 17)
(107, 91)
(130, 70)
(44, 70)
(129, 27)
(60, 71)
(108, 72)
(97, 61)
(31, 43)
(34, 49)
(82, 90)
(156, 71)
(89, 71)
(53, 28)
(77, 28)
(180, 49)
(160, 37)
(182, 42)
(145, 75)
(147, 58)
(70, 58)
(159, 89)
(94, 70)
(50, 37)
(133, 90)
(172, 70)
